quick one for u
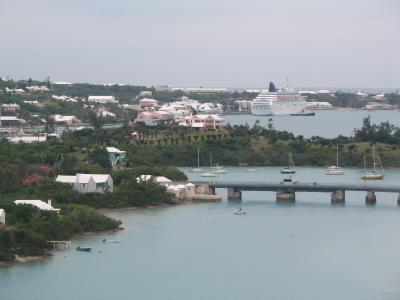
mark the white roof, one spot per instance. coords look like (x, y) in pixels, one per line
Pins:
(83, 178)
(157, 179)
(38, 203)
(60, 118)
(101, 97)
(114, 150)
(190, 184)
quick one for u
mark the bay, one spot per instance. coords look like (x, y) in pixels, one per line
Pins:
(305, 250)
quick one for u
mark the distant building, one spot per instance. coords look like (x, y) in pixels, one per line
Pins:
(152, 118)
(116, 156)
(62, 83)
(15, 91)
(204, 122)
(102, 99)
(28, 139)
(181, 191)
(145, 93)
(148, 102)
(39, 204)
(2, 216)
(10, 107)
(11, 121)
(379, 106)
(34, 103)
(68, 120)
(243, 105)
(36, 88)
(88, 183)
(200, 90)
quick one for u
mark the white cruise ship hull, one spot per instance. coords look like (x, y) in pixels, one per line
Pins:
(277, 108)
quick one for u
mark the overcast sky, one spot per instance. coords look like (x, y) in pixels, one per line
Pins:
(230, 43)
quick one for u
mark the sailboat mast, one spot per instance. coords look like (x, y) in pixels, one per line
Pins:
(337, 155)
(373, 156)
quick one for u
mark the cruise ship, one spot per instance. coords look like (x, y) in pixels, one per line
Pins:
(278, 102)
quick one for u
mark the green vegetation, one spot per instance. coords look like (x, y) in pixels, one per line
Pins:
(28, 228)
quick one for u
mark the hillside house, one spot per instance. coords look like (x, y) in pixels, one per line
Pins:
(88, 183)
(39, 204)
(116, 156)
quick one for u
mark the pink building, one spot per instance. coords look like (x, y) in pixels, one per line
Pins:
(204, 122)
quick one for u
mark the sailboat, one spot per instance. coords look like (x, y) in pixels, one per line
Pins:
(198, 169)
(335, 170)
(374, 175)
(290, 169)
(209, 174)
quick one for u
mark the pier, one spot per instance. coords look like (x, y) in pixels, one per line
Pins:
(287, 192)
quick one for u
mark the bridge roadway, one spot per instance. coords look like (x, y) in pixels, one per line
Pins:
(286, 192)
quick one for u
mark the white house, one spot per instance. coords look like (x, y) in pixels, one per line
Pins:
(39, 204)
(102, 99)
(116, 155)
(148, 102)
(88, 183)
(2, 216)
(69, 120)
(10, 107)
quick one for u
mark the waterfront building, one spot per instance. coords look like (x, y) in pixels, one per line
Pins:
(116, 156)
(88, 183)
(379, 106)
(243, 105)
(148, 102)
(102, 99)
(204, 122)
(182, 192)
(319, 105)
(10, 107)
(68, 120)
(39, 204)
(2, 216)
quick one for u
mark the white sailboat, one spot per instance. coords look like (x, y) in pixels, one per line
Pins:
(335, 170)
(290, 169)
(209, 174)
(198, 169)
(374, 175)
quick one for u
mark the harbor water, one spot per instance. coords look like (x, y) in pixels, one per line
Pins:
(325, 123)
(305, 250)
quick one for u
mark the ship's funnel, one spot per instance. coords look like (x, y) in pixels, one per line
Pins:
(271, 87)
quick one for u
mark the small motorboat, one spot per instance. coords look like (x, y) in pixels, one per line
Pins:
(240, 211)
(208, 174)
(251, 170)
(85, 249)
(110, 241)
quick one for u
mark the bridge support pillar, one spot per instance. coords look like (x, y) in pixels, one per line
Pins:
(338, 197)
(285, 196)
(398, 200)
(370, 199)
(234, 194)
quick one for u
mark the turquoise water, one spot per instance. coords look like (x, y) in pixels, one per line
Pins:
(327, 124)
(306, 250)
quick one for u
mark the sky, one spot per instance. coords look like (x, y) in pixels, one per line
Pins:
(211, 43)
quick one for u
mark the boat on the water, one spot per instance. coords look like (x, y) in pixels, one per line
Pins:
(290, 169)
(219, 170)
(209, 174)
(304, 113)
(240, 211)
(198, 169)
(374, 174)
(251, 170)
(282, 101)
(289, 181)
(85, 249)
(335, 170)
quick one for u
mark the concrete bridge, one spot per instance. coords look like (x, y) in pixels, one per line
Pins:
(287, 191)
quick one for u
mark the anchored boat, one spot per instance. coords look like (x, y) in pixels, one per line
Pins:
(290, 169)
(374, 175)
(335, 170)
